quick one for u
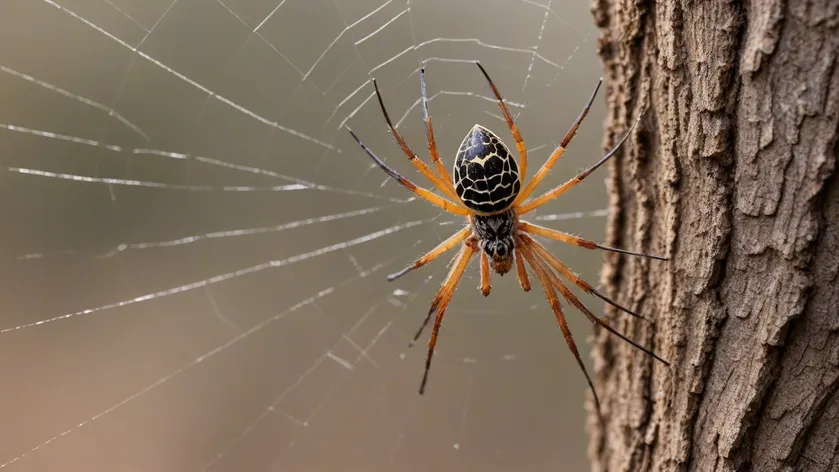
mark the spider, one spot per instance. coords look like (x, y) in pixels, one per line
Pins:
(486, 188)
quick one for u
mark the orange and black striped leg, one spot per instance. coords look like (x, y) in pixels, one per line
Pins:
(429, 133)
(510, 123)
(441, 248)
(558, 152)
(550, 294)
(563, 269)
(445, 187)
(421, 192)
(574, 240)
(572, 299)
(485, 286)
(559, 190)
(441, 302)
(521, 271)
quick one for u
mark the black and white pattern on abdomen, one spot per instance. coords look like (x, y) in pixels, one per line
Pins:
(486, 176)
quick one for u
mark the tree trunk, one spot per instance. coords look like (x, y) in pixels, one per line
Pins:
(731, 174)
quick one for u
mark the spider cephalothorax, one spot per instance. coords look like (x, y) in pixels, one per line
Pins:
(488, 189)
(495, 238)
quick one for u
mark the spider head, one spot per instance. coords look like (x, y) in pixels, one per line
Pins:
(500, 252)
(495, 236)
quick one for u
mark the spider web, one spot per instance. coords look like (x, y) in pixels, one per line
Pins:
(194, 250)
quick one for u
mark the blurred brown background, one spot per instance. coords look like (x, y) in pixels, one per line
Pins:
(152, 155)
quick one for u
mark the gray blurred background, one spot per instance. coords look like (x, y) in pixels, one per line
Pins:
(194, 254)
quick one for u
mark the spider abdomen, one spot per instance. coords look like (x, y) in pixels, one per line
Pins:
(486, 176)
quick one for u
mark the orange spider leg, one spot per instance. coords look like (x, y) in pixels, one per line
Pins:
(441, 302)
(563, 269)
(574, 240)
(572, 299)
(441, 248)
(558, 152)
(521, 271)
(485, 285)
(421, 192)
(429, 133)
(550, 294)
(447, 189)
(510, 123)
(559, 190)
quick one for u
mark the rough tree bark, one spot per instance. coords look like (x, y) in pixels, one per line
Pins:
(732, 174)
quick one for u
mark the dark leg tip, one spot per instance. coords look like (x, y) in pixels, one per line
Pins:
(396, 275)
(422, 385)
